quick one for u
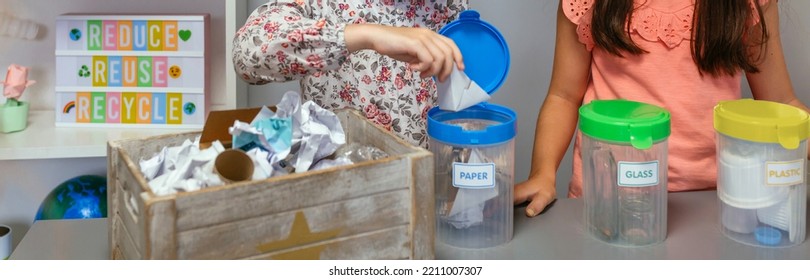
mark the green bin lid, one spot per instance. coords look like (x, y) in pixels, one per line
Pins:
(623, 121)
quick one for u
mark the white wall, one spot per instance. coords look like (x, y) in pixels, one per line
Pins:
(794, 18)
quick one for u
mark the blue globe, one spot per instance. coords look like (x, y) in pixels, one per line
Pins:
(189, 108)
(82, 197)
(75, 34)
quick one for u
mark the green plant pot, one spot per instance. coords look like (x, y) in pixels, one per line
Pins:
(13, 118)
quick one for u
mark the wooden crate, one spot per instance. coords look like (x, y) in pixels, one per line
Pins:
(382, 209)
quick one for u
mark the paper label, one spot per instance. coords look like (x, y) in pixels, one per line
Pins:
(784, 173)
(473, 175)
(638, 174)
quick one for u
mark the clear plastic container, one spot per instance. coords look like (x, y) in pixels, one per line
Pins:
(474, 148)
(761, 172)
(624, 171)
(474, 154)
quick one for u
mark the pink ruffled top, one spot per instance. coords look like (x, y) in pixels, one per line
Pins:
(665, 76)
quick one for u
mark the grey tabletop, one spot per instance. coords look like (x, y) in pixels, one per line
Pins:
(84, 239)
(692, 233)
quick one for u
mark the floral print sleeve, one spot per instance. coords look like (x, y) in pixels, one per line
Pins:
(287, 40)
(304, 40)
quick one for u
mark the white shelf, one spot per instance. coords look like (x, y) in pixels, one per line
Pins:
(43, 140)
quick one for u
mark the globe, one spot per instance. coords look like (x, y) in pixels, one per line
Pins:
(189, 108)
(82, 197)
(75, 34)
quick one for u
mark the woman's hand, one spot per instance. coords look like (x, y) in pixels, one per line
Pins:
(426, 51)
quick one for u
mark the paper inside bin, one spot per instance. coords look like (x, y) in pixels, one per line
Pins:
(468, 207)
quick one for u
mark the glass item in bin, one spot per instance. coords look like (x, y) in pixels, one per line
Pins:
(357, 152)
(605, 225)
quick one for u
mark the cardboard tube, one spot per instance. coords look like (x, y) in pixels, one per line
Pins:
(5, 242)
(234, 166)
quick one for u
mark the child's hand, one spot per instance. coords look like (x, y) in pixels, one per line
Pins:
(428, 52)
(540, 191)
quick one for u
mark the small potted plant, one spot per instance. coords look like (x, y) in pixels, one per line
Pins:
(14, 113)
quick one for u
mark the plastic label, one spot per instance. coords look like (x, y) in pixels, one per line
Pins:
(638, 174)
(473, 175)
(784, 173)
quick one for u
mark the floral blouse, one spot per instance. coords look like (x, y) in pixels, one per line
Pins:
(303, 39)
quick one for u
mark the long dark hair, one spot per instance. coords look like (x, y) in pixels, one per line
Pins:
(722, 34)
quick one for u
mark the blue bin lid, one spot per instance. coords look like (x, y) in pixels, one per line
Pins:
(486, 55)
(486, 61)
(503, 129)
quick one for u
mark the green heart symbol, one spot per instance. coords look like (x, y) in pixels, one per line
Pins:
(185, 34)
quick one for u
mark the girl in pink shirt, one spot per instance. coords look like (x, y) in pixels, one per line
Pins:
(682, 55)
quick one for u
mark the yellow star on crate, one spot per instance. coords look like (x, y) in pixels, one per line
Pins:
(300, 234)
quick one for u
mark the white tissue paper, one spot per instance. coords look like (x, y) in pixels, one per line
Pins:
(468, 207)
(261, 163)
(153, 167)
(171, 162)
(289, 105)
(459, 92)
(182, 168)
(310, 132)
(316, 131)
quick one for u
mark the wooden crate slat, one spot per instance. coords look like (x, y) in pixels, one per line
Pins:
(210, 207)
(123, 246)
(255, 236)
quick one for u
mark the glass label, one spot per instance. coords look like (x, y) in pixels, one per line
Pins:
(638, 174)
